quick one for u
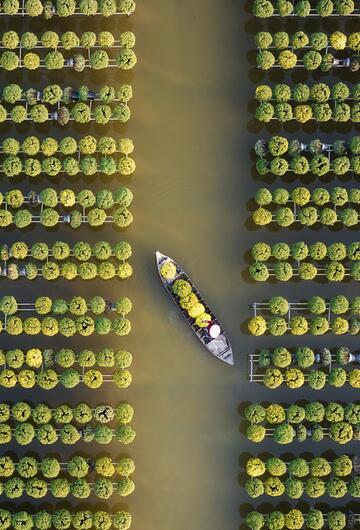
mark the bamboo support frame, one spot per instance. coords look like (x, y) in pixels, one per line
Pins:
(255, 307)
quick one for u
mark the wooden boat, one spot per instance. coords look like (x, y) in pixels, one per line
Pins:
(219, 346)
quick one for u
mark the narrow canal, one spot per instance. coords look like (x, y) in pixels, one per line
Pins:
(191, 190)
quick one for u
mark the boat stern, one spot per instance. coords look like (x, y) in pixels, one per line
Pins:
(229, 359)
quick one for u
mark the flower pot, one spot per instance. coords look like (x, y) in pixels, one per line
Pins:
(33, 198)
(91, 463)
(317, 358)
(70, 62)
(5, 254)
(91, 95)
(303, 147)
(49, 357)
(22, 271)
(38, 96)
(346, 62)
(110, 306)
(351, 520)
(67, 218)
(54, 115)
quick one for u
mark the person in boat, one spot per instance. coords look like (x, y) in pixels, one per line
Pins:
(212, 329)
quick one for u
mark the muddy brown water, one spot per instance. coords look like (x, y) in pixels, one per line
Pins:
(193, 134)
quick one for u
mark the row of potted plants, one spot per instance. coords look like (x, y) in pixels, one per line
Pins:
(317, 164)
(55, 94)
(307, 207)
(79, 208)
(299, 40)
(79, 113)
(48, 379)
(125, 59)
(49, 369)
(68, 145)
(299, 325)
(284, 271)
(295, 519)
(66, 198)
(80, 105)
(341, 432)
(305, 357)
(25, 433)
(302, 113)
(301, 196)
(312, 420)
(304, 366)
(278, 305)
(306, 216)
(304, 8)
(23, 477)
(82, 413)
(301, 467)
(67, 327)
(289, 260)
(67, 269)
(49, 218)
(295, 378)
(63, 488)
(11, 40)
(311, 52)
(61, 250)
(295, 488)
(77, 466)
(303, 103)
(312, 412)
(64, 414)
(63, 261)
(78, 307)
(288, 317)
(278, 146)
(310, 60)
(65, 358)
(62, 519)
(14, 165)
(67, 8)
(303, 93)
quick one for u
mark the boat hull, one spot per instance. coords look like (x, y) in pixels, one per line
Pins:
(220, 346)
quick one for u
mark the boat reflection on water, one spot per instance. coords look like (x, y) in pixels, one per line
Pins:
(205, 326)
